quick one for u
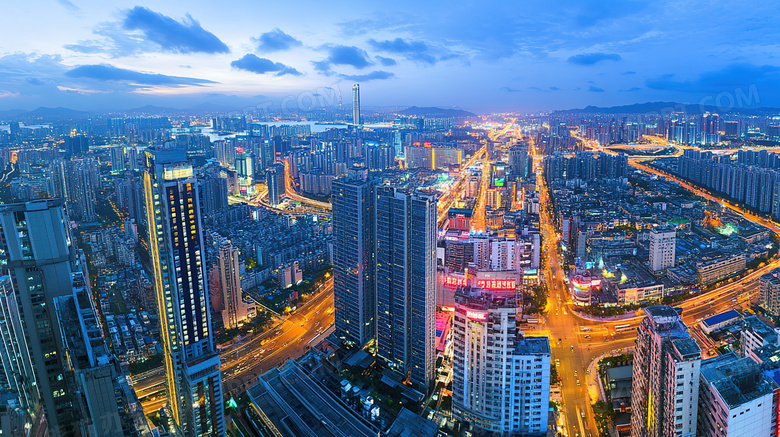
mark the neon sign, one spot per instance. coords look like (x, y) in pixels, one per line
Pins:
(497, 284)
(451, 281)
(472, 315)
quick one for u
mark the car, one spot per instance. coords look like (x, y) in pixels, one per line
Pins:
(578, 382)
(575, 373)
(582, 414)
(572, 348)
(586, 336)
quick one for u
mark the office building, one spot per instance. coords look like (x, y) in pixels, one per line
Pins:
(356, 105)
(736, 398)
(405, 253)
(501, 380)
(354, 292)
(194, 385)
(665, 381)
(662, 247)
(274, 180)
(215, 194)
(244, 165)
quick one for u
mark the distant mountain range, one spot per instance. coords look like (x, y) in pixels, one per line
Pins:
(42, 114)
(667, 107)
(436, 112)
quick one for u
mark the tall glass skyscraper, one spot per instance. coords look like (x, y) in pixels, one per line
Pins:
(405, 251)
(192, 365)
(356, 105)
(354, 292)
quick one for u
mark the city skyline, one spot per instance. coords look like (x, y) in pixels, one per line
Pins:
(93, 56)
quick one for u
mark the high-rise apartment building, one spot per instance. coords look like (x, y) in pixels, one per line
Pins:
(354, 285)
(662, 248)
(405, 253)
(227, 279)
(192, 366)
(501, 380)
(118, 160)
(81, 182)
(274, 180)
(356, 105)
(665, 381)
(770, 291)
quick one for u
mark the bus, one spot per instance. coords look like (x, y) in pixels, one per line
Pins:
(625, 327)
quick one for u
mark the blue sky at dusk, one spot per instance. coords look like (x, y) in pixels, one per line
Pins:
(480, 56)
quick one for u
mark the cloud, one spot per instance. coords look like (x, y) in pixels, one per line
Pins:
(342, 55)
(417, 51)
(186, 36)
(374, 75)
(630, 90)
(387, 62)
(275, 41)
(88, 47)
(554, 88)
(34, 81)
(629, 72)
(726, 79)
(510, 89)
(69, 5)
(258, 65)
(106, 72)
(595, 89)
(593, 58)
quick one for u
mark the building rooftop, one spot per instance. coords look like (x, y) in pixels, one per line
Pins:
(687, 348)
(758, 326)
(721, 318)
(736, 380)
(618, 373)
(533, 345)
(409, 424)
(296, 406)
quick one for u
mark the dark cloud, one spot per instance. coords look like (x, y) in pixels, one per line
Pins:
(258, 65)
(342, 55)
(186, 36)
(725, 79)
(510, 89)
(374, 75)
(593, 58)
(629, 72)
(630, 90)
(595, 89)
(106, 72)
(554, 88)
(387, 62)
(34, 81)
(418, 51)
(275, 41)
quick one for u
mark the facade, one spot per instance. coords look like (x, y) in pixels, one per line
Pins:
(405, 253)
(501, 380)
(665, 381)
(354, 288)
(118, 160)
(755, 334)
(178, 262)
(735, 398)
(274, 180)
(662, 247)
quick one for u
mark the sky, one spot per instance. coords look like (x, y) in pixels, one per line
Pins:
(482, 56)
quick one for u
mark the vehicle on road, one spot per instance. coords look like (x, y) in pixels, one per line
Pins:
(586, 336)
(623, 327)
(578, 382)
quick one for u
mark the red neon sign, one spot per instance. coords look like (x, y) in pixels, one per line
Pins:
(451, 281)
(497, 284)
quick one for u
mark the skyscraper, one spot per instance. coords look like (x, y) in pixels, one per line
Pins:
(274, 180)
(665, 380)
(38, 253)
(356, 105)
(178, 260)
(405, 252)
(501, 380)
(354, 292)
(662, 248)
(118, 159)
